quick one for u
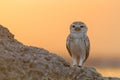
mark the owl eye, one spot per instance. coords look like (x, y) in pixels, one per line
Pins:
(73, 26)
(81, 26)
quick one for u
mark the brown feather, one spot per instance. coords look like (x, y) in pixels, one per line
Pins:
(68, 45)
(87, 45)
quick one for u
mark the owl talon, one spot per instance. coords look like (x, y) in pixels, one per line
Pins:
(74, 65)
(79, 66)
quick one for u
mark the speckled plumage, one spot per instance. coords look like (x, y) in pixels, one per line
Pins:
(77, 43)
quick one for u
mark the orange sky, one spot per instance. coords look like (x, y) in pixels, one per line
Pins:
(45, 23)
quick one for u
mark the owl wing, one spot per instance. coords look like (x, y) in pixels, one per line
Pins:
(87, 46)
(68, 44)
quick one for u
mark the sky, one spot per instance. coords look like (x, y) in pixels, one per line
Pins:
(45, 23)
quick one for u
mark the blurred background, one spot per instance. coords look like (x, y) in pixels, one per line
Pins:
(45, 23)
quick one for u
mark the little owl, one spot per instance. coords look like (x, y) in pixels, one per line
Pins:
(78, 44)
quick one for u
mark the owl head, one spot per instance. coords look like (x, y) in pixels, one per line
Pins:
(78, 27)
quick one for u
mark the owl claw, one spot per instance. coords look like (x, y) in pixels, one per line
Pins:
(74, 65)
(79, 66)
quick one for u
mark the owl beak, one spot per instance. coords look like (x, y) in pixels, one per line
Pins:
(77, 29)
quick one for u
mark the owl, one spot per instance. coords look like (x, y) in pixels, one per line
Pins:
(78, 44)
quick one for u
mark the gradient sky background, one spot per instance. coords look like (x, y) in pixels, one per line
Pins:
(45, 23)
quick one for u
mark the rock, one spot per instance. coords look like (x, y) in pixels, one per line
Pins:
(21, 62)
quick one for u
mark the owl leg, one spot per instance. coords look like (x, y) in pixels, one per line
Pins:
(74, 60)
(81, 60)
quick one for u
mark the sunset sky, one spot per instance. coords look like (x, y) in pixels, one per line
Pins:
(45, 23)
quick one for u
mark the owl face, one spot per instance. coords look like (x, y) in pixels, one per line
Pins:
(78, 27)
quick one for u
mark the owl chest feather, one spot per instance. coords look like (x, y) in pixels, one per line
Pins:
(77, 39)
(77, 46)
